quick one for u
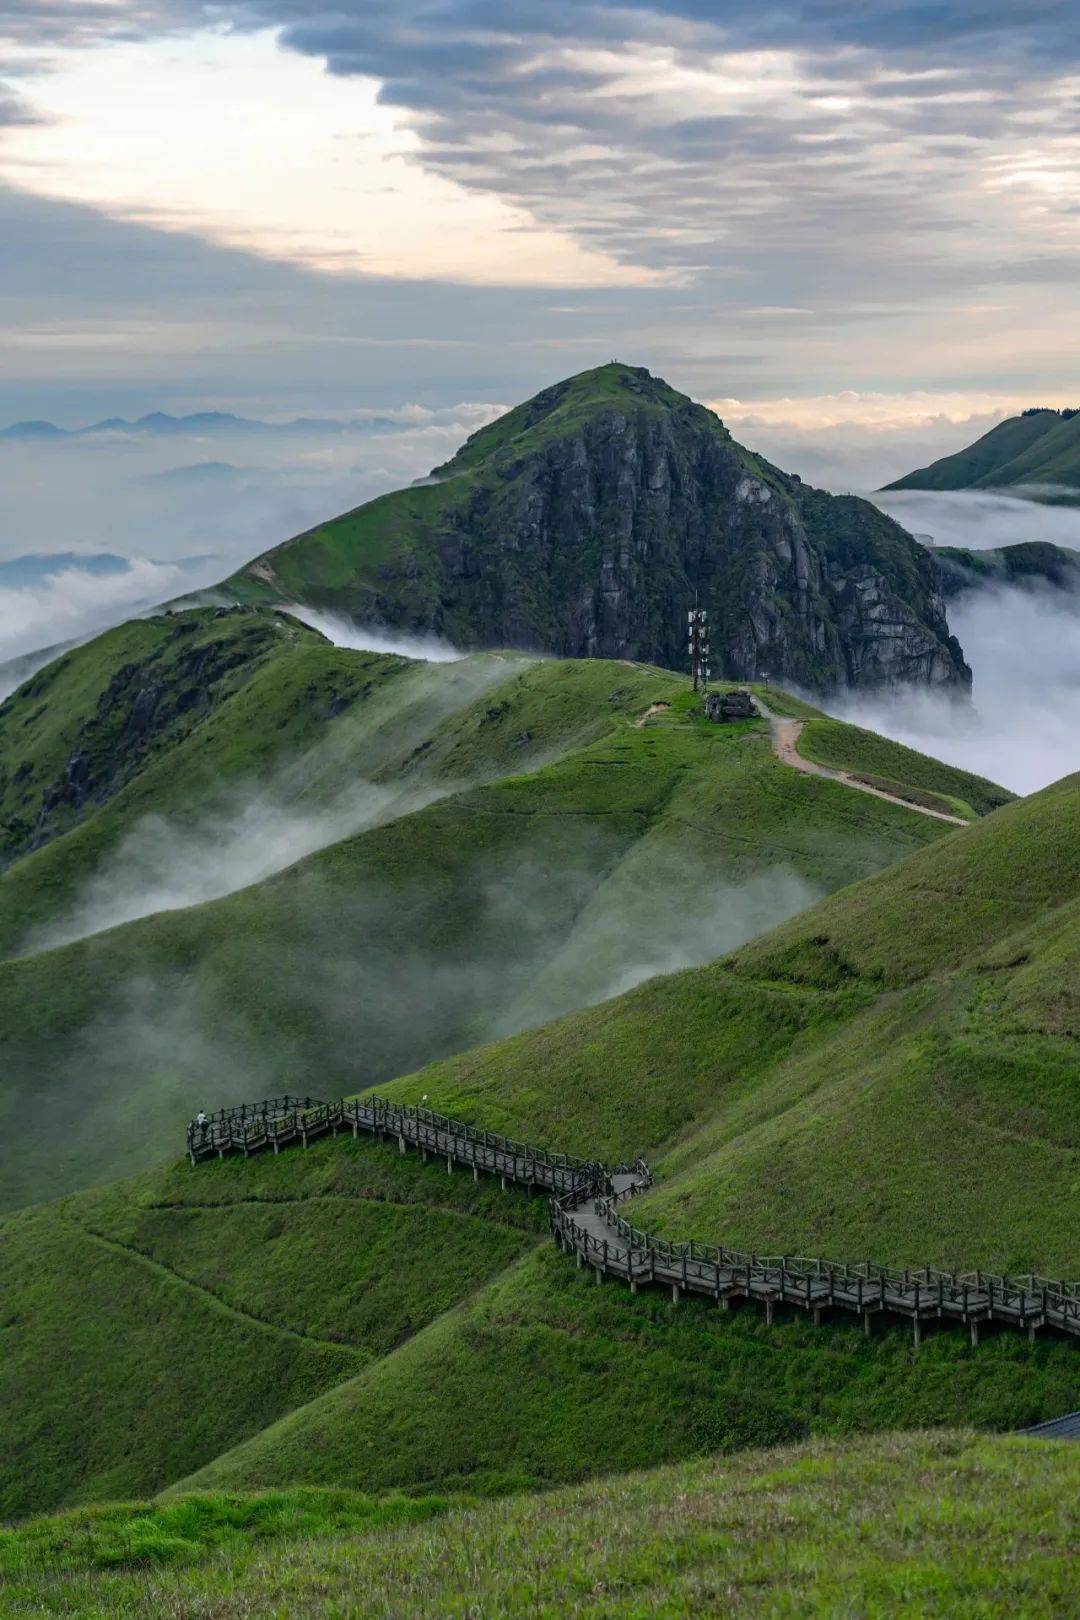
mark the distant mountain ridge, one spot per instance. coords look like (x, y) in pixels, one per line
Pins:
(1036, 454)
(588, 520)
(160, 424)
(34, 567)
(1031, 565)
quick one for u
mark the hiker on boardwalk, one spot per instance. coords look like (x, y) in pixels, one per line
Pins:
(202, 1123)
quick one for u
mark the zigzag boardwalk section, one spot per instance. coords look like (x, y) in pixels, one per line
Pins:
(585, 1198)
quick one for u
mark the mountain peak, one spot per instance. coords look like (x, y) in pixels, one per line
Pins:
(563, 408)
(587, 520)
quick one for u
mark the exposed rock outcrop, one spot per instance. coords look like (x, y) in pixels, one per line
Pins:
(585, 523)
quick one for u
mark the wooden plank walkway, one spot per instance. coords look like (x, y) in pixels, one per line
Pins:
(1062, 1428)
(586, 1198)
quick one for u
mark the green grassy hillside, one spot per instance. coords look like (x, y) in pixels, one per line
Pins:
(891, 1074)
(868, 1528)
(1038, 448)
(88, 723)
(197, 1310)
(551, 1379)
(496, 907)
(338, 738)
(891, 766)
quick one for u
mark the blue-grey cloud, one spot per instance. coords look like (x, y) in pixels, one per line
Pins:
(529, 98)
(842, 233)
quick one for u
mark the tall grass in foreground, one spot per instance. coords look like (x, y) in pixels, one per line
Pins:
(917, 1524)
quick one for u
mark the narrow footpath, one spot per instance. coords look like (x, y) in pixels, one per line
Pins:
(785, 739)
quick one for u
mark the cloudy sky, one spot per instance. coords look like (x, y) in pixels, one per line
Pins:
(829, 215)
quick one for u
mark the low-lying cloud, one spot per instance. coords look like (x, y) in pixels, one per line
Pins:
(75, 603)
(1023, 728)
(183, 509)
(981, 520)
(165, 864)
(349, 973)
(344, 633)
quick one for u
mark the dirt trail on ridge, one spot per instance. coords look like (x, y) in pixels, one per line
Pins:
(785, 739)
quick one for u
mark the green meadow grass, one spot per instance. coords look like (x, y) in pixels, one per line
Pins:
(150, 1326)
(850, 748)
(891, 1075)
(931, 1524)
(1025, 450)
(552, 1379)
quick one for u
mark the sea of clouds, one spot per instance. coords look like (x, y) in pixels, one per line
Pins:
(1023, 726)
(180, 510)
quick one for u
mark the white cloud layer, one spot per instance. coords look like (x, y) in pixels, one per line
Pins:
(343, 633)
(75, 603)
(1024, 648)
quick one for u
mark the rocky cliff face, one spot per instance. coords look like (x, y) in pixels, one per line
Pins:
(588, 521)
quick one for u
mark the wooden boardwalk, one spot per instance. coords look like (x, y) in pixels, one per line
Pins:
(586, 1200)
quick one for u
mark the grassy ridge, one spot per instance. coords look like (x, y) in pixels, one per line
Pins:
(890, 1073)
(143, 1333)
(1039, 448)
(497, 907)
(849, 748)
(86, 724)
(938, 1524)
(302, 735)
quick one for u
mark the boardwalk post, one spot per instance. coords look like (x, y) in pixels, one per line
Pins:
(975, 1332)
(449, 1165)
(401, 1144)
(916, 1329)
(476, 1172)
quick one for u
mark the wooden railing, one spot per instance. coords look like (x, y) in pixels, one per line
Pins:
(281, 1121)
(585, 1196)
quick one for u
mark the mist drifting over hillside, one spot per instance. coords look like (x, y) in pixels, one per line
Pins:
(1023, 727)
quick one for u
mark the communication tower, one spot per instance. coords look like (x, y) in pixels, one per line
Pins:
(698, 631)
